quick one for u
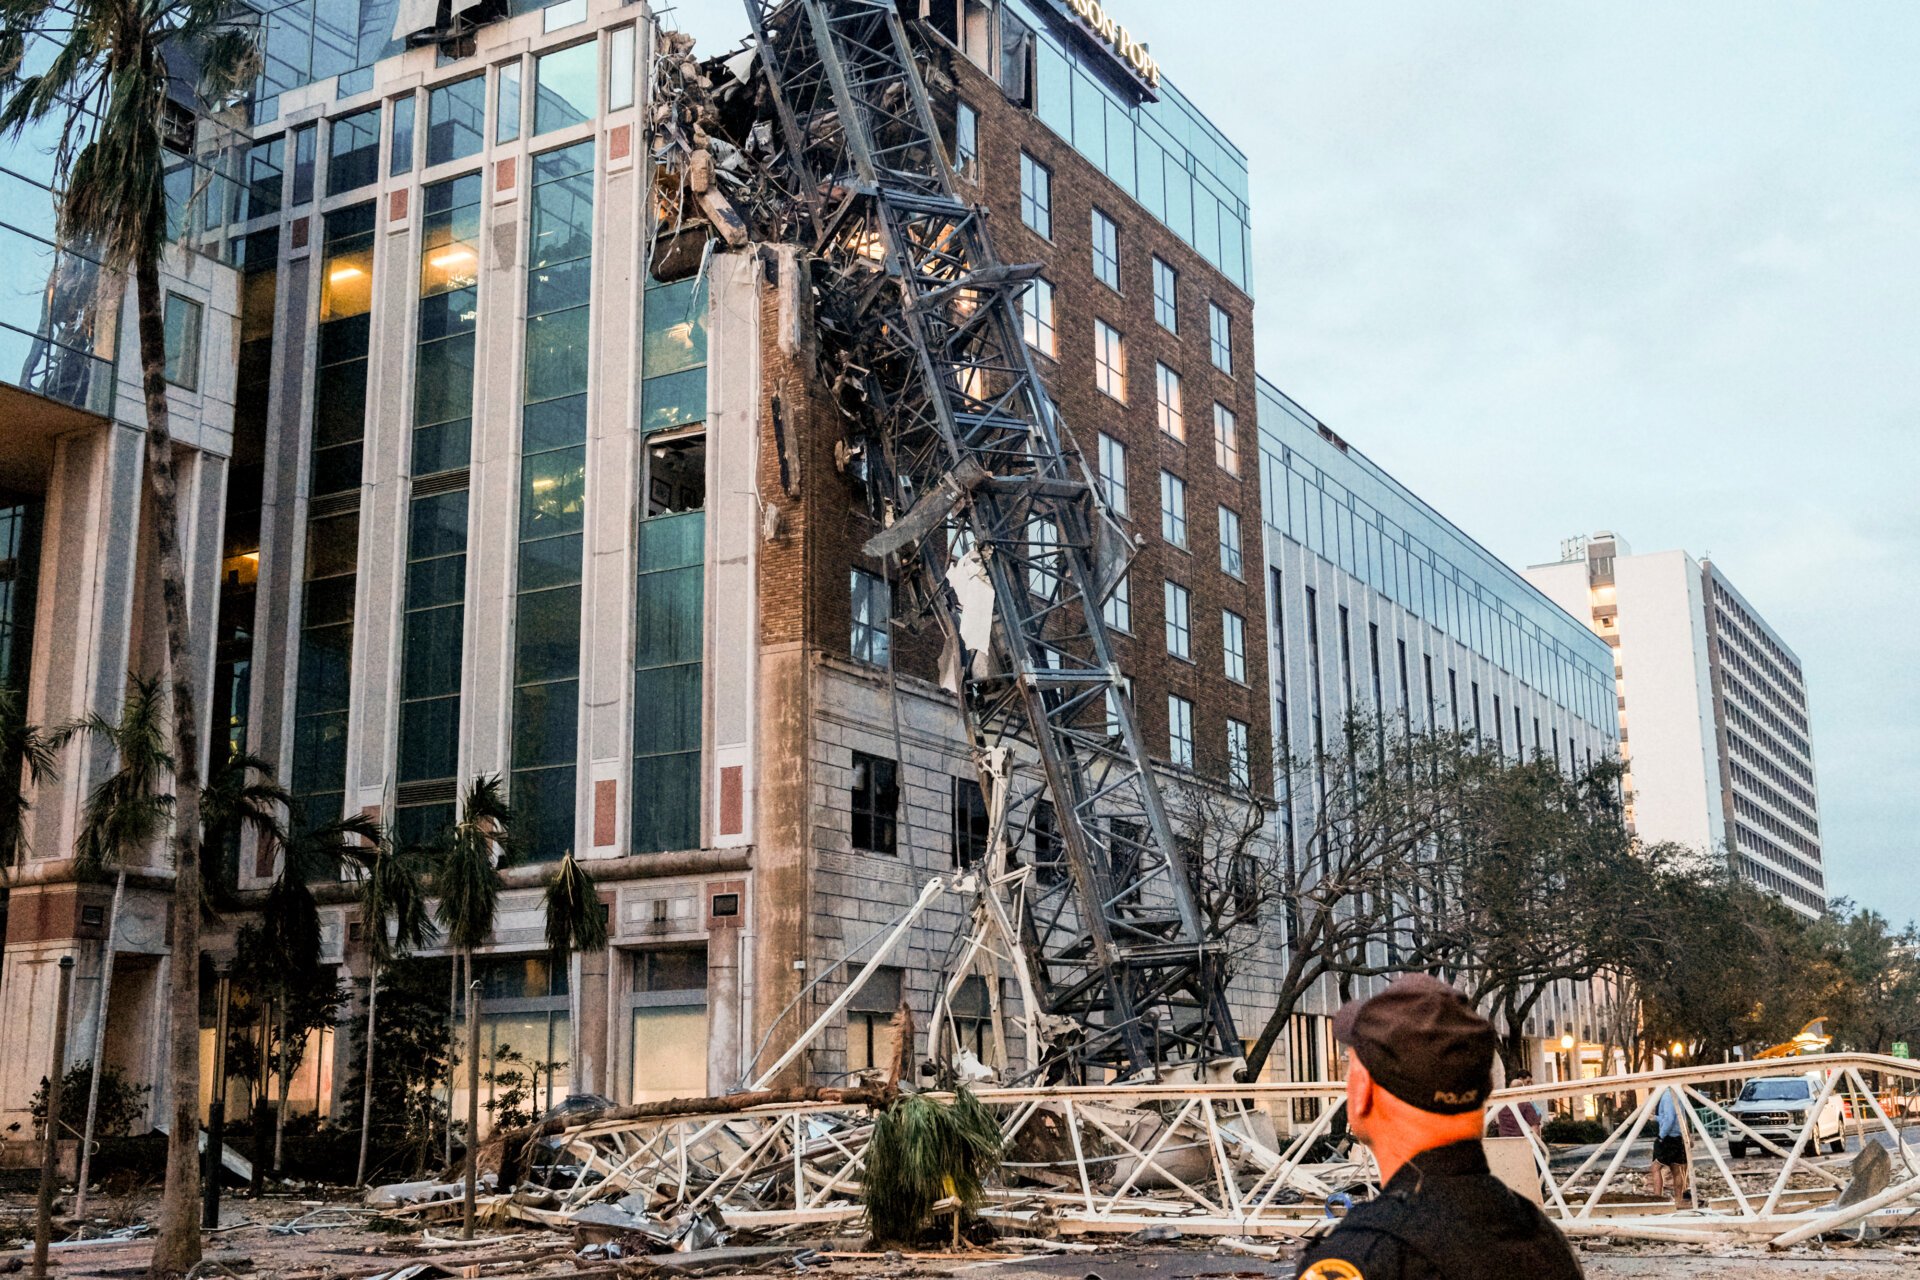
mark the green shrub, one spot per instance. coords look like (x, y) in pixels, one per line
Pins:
(120, 1103)
(1561, 1129)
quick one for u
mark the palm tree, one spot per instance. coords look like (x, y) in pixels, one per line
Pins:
(27, 758)
(125, 813)
(107, 87)
(466, 880)
(290, 921)
(393, 922)
(241, 794)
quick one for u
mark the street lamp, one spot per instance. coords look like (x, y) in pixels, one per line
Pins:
(217, 1107)
(1566, 1070)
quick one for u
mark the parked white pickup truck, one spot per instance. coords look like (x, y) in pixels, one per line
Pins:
(1775, 1108)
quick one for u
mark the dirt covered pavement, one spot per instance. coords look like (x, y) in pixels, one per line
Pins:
(307, 1237)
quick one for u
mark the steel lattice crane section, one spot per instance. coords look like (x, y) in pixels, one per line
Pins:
(924, 323)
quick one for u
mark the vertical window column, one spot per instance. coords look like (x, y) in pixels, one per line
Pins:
(553, 478)
(319, 773)
(670, 593)
(434, 623)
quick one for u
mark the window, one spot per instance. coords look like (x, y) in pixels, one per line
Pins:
(400, 144)
(966, 140)
(970, 826)
(1045, 566)
(1167, 410)
(876, 804)
(872, 606)
(1114, 696)
(1166, 296)
(1109, 360)
(1230, 558)
(1180, 730)
(1113, 473)
(870, 1031)
(1036, 316)
(1173, 509)
(182, 327)
(1239, 754)
(1226, 439)
(562, 14)
(1106, 250)
(1179, 621)
(668, 999)
(303, 152)
(1036, 195)
(1220, 338)
(456, 120)
(1118, 611)
(353, 151)
(1233, 644)
(565, 87)
(620, 68)
(506, 112)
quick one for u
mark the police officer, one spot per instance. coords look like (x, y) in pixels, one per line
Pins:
(1419, 1069)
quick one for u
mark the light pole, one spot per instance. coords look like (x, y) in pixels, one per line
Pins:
(217, 1108)
(1566, 1065)
(50, 1157)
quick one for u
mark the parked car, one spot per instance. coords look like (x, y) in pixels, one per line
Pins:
(1775, 1108)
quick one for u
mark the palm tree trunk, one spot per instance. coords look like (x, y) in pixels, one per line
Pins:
(177, 1245)
(473, 1102)
(366, 1096)
(99, 1044)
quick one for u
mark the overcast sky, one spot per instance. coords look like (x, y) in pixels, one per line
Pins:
(1648, 267)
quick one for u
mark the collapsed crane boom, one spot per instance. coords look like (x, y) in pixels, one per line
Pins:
(966, 448)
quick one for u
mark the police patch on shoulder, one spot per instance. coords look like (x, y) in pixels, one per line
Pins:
(1332, 1269)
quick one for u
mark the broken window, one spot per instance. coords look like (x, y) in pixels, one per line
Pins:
(966, 140)
(875, 804)
(971, 828)
(870, 1032)
(676, 479)
(1016, 59)
(976, 33)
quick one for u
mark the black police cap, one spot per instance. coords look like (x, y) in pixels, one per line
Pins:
(1424, 1044)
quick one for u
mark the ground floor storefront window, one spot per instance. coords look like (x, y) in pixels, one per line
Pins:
(668, 1004)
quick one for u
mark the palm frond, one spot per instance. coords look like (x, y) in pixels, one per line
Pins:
(466, 876)
(922, 1152)
(575, 918)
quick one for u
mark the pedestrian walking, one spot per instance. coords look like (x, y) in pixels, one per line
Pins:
(1669, 1150)
(1419, 1069)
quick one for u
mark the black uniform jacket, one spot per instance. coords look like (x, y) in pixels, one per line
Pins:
(1443, 1217)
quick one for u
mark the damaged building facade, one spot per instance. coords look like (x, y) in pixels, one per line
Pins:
(548, 483)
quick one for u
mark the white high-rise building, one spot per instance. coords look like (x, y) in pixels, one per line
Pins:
(1713, 711)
